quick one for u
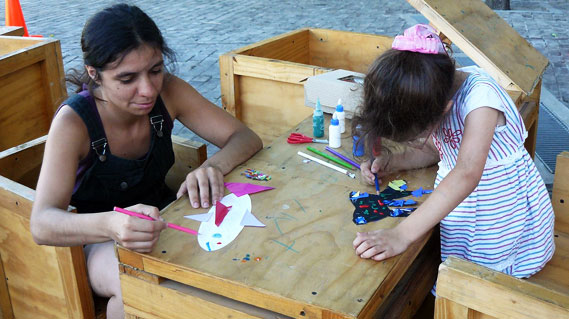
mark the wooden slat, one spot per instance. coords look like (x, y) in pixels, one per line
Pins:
(267, 116)
(5, 303)
(264, 68)
(172, 301)
(188, 155)
(23, 162)
(488, 40)
(291, 46)
(346, 50)
(11, 31)
(496, 294)
(229, 83)
(75, 282)
(560, 196)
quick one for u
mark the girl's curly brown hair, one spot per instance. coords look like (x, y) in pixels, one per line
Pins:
(404, 94)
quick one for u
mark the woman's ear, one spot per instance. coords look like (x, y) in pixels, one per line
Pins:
(92, 73)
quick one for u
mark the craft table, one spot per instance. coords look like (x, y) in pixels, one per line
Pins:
(300, 265)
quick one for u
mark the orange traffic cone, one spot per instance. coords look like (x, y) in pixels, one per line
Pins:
(14, 15)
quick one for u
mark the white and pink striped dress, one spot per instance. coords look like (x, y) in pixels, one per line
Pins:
(507, 222)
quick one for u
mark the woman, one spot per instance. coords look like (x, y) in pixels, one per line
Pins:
(109, 145)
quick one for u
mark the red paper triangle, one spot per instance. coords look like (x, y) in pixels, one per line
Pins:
(220, 213)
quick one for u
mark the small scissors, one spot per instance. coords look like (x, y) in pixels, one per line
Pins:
(297, 138)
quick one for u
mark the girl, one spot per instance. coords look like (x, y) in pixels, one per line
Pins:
(109, 145)
(490, 200)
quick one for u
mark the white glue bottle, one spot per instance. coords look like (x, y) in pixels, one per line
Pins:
(334, 135)
(341, 116)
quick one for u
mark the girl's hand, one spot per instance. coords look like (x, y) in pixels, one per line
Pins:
(136, 233)
(199, 183)
(380, 244)
(380, 166)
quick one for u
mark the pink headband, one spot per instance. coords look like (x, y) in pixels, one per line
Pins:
(420, 38)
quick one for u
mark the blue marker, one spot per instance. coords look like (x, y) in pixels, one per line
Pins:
(376, 184)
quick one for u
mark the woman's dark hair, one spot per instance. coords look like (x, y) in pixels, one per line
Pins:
(404, 94)
(111, 34)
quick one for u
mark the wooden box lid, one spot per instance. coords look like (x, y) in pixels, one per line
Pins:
(488, 40)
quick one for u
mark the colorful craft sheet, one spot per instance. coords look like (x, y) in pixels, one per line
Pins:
(240, 189)
(371, 207)
(212, 237)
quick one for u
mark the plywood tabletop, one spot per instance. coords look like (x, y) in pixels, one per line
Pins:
(303, 260)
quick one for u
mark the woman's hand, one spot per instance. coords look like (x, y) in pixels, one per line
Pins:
(200, 182)
(380, 244)
(380, 166)
(136, 233)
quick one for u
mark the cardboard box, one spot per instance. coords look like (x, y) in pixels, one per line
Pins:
(332, 86)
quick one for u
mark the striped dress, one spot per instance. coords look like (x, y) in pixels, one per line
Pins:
(506, 223)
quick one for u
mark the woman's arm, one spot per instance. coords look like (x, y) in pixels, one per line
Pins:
(479, 130)
(51, 224)
(237, 142)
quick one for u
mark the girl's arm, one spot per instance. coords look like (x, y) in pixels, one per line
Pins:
(408, 158)
(52, 224)
(237, 142)
(479, 128)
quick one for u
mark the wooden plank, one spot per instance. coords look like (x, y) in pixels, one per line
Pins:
(282, 71)
(75, 282)
(188, 155)
(229, 83)
(11, 31)
(10, 45)
(5, 303)
(560, 195)
(497, 294)
(292, 46)
(172, 300)
(447, 309)
(267, 116)
(23, 162)
(346, 50)
(32, 271)
(488, 40)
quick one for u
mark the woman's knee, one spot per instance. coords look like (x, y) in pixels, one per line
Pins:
(102, 269)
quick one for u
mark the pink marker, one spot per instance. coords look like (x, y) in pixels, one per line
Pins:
(170, 225)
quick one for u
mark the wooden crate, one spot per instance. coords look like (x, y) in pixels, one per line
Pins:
(262, 84)
(32, 84)
(46, 281)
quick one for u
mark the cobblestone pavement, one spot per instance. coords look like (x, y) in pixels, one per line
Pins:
(200, 31)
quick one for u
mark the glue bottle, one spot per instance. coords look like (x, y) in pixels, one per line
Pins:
(334, 135)
(318, 120)
(341, 116)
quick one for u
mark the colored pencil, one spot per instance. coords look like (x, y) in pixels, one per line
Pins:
(334, 167)
(333, 159)
(376, 184)
(329, 149)
(170, 225)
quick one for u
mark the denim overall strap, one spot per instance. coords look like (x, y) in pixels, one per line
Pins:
(117, 181)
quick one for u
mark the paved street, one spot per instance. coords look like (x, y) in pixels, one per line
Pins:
(200, 31)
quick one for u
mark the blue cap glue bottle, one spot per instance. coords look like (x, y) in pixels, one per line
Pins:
(341, 116)
(318, 120)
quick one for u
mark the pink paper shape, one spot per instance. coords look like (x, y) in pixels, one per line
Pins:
(240, 189)
(220, 212)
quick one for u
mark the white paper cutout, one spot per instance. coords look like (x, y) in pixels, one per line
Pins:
(212, 237)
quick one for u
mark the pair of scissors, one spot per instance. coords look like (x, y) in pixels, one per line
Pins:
(297, 138)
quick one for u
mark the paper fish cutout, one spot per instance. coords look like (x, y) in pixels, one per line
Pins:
(212, 237)
(241, 189)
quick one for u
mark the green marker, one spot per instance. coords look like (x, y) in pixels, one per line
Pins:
(333, 159)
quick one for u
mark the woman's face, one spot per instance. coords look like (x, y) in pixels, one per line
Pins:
(133, 84)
